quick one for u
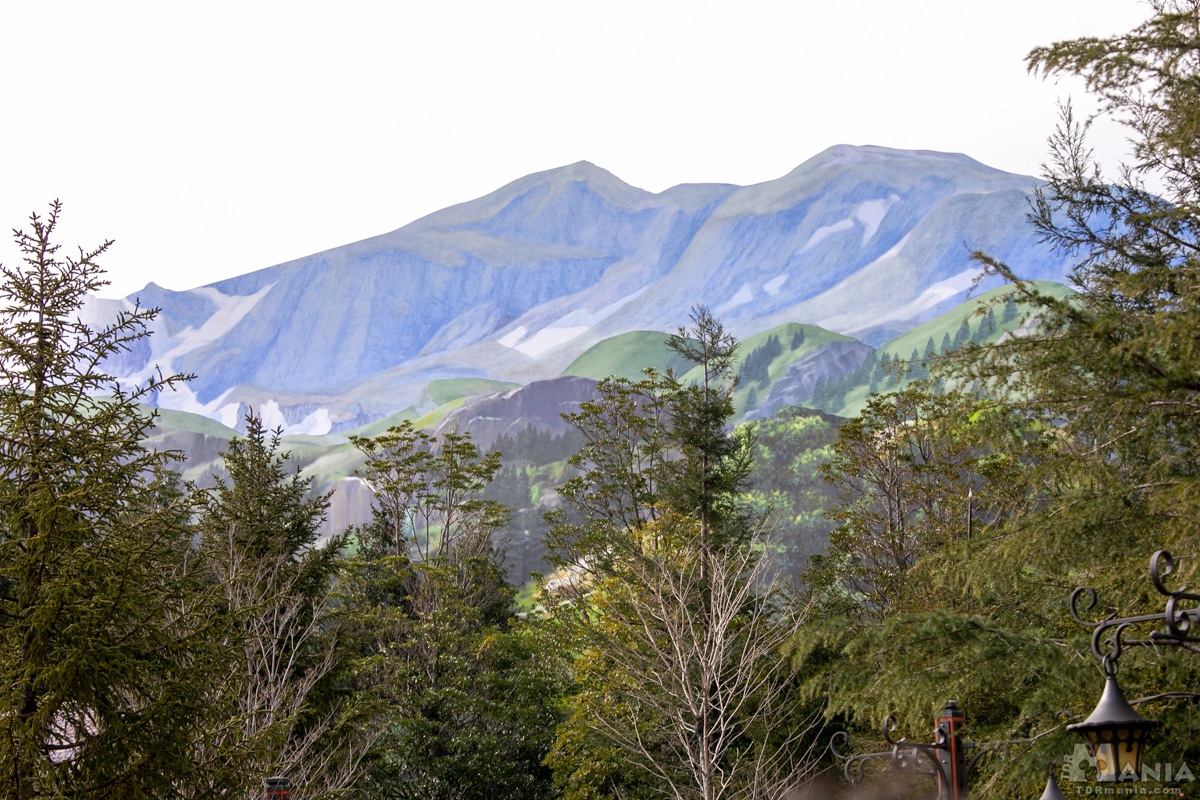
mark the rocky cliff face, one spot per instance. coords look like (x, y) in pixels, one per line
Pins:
(828, 361)
(864, 241)
(539, 405)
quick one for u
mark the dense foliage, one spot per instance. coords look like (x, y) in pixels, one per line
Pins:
(158, 640)
(102, 643)
(683, 689)
(463, 691)
(1076, 439)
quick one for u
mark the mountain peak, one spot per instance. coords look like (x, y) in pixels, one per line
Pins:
(867, 155)
(604, 183)
(545, 184)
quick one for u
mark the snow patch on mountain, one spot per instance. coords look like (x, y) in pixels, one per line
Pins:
(316, 423)
(825, 231)
(928, 299)
(581, 316)
(183, 398)
(229, 414)
(744, 295)
(895, 249)
(773, 286)
(548, 338)
(511, 338)
(944, 290)
(230, 310)
(871, 213)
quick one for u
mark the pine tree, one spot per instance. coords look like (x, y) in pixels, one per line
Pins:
(107, 639)
(1010, 308)
(1092, 410)
(961, 336)
(259, 534)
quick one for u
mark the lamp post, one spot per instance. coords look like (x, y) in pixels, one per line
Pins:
(1114, 732)
(277, 788)
(945, 759)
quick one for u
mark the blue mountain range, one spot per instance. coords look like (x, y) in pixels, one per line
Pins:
(863, 241)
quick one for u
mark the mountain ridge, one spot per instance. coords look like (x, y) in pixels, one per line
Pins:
(515, 285)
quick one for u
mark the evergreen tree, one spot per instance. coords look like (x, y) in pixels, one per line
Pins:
(986, 327)
(961, 336)
(1010, 308)
(107, 641)
(284, 715)
(464, 693)
(1093, 408)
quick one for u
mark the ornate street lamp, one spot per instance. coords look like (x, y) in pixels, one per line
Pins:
(277, 788)
(945, 759)
(1115, 733)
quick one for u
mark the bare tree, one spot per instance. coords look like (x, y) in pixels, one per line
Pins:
(660, 588)
(716, 692)
(274, 585)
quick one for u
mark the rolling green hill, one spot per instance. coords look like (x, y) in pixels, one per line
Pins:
(625, 356)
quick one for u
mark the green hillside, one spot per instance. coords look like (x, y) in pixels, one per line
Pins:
(896, 363)
(380, 425)
(192, 423)
(625, 356)
(765, 357)
(448, 390)
(971, 312)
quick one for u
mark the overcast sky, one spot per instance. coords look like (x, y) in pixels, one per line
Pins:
(212, 139)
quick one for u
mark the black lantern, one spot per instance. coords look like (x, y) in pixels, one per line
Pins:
(1115, 734)
(1052, 791)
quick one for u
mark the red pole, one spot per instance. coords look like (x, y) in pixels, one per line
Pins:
(952, 778)
(277, 788)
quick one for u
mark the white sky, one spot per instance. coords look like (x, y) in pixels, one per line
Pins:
(211, 139)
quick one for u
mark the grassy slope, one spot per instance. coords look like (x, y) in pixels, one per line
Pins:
(948, 323)
(445, 391)
(918, 338)
(625, 356)
(813, 337)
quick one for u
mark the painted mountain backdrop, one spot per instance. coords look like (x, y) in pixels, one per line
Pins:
(514, 287)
